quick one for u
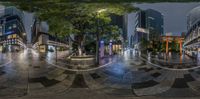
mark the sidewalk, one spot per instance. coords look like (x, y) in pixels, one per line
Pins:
(78, 93)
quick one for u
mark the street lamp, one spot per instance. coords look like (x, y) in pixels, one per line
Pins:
(97, 35)
(101, 10)
(24, 34)
(24, 40)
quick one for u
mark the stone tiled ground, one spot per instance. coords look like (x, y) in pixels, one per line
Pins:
(128, 77)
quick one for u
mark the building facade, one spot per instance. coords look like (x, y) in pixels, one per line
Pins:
(192, 37)
(148, 25)
(12, 32)
(43, 41)
(116, 45)
(121, 22)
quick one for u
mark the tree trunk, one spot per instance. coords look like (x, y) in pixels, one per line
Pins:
(80, 52)
(80, 49)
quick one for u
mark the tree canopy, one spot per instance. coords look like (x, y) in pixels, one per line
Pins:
(100, 1)
(73, 17)
(81, 19)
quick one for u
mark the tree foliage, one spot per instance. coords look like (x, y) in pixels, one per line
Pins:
(144, 43)
(79, 19)
(101, 1)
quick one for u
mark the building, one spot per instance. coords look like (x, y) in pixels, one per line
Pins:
(121, 22)
(141, 33)
(148, 25)
(116, 45)
(12, 32)
(43, 41)
(192, 37)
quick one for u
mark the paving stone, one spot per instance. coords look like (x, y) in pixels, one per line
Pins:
(188, 78)
(180, 83)
(79, 82)
(95, 76)
(156, 74)
(44, 81)
(144, 84)
(179, 93)
(35, 86)
(61, 77)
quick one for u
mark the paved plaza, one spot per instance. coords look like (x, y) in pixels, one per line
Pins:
(31, 75)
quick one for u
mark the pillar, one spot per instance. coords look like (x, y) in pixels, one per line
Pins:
(110, 47)
(180, 45)
(101, 48)
(167, 45)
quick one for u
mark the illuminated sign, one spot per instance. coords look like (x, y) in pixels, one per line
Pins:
(168, 34)
(142, 30)
(101, 48)
(9, 32)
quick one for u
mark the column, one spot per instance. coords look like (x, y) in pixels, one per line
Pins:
(101, 48)
(167, 44)
(110, 47)
(180, 43)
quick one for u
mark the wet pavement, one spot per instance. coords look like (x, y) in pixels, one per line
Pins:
(173, 61)
(31, 75)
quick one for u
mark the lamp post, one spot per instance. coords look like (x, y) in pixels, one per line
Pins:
(56, 47)
(98, 36)
(24, 36)
(24, 40)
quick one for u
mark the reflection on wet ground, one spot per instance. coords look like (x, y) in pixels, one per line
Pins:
(128, 75)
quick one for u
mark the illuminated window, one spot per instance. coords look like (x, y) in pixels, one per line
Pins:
(9, 27)
(9, 36)
(14, 25)
(14, 35)
(0, 30)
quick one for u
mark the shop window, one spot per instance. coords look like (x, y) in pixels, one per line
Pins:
(9, 36)
(14, 35)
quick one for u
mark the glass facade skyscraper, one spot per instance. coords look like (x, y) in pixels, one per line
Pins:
(150, 25)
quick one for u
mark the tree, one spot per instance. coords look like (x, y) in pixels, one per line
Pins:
(144, 44)
(173, 46)
(163, 46)
(78, 19)
(6, 2)
(82, 19)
